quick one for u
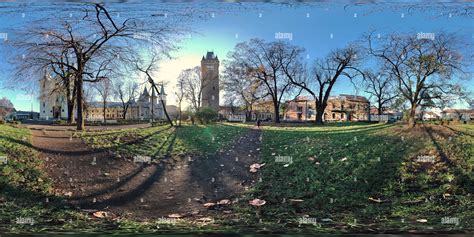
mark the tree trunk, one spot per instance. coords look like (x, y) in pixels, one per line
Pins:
(70, 112)
(70, 103)
(179, 121)
(79, 102)
(319, 116)
(276, 112)
(379, 109)
(103, 111)
(411, 116)
(319, 113)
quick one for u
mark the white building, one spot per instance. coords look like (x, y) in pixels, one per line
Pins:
(53, 104)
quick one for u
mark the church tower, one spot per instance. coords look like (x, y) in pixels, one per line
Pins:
(210, 80)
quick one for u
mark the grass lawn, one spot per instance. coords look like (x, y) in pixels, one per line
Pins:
(336, 169)
(352, 177)
(165, 141)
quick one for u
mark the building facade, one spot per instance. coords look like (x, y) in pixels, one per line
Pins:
(339, 108)
(53, 105)
(210, 80)
(53, 100)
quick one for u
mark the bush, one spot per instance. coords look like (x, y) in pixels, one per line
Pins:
(206, 115)
(2, 122)
(60, 122)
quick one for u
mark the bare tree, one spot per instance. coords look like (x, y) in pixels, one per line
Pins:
(262, 62)
(66, 82)
(148, 68)
(126, 92)
(179, 97)
(424, 69)
(324, 74)
(241, 88)
(192, 86)
(379, 86)
(104, 90)
(97, 43)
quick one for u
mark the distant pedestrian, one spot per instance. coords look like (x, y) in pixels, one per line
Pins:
(258, 123)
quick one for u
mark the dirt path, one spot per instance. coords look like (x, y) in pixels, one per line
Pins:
(94, 180)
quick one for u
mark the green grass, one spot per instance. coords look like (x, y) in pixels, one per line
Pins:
(358, 162)
(22, 169)
(165, 141)
(347, 165)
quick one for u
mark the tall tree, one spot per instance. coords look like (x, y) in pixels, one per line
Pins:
(179, 97)
(98, 45)
(148, 68)
(262, 62)
(192, 86)
(380, 87)
(241, 88)
(424, 69)
(104, 90)
(324, 74)
(126, 92)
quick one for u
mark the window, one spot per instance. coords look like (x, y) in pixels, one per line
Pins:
(342, 107)
(299, 109)
(212, 97)
(213, 88)
(44, 105)
(333, 116)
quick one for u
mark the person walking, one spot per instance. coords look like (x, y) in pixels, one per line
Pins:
(258, 123)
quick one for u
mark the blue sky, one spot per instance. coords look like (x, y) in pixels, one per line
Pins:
(311, 27)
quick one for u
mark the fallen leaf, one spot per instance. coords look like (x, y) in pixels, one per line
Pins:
(224, 202)
(103, 214)
(257, 202)
(209, 204)
(377, 200)
(174, 215)
(422, 220)
(295, 200)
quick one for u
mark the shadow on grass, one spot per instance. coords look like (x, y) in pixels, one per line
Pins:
(138, 190)
(370, 168)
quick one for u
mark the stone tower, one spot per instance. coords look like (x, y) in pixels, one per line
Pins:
(210, 77)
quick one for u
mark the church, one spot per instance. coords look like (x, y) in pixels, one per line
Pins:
(53, 104)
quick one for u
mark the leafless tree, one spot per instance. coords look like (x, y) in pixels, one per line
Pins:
(380, 87)
(96, 43)
(424, 69)
(148, 68)
(179, 97)
(241, 88)
(262, 62)
(192, 86)
(320, 80)
(66, 81)
(104, 90)
(126, 92)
